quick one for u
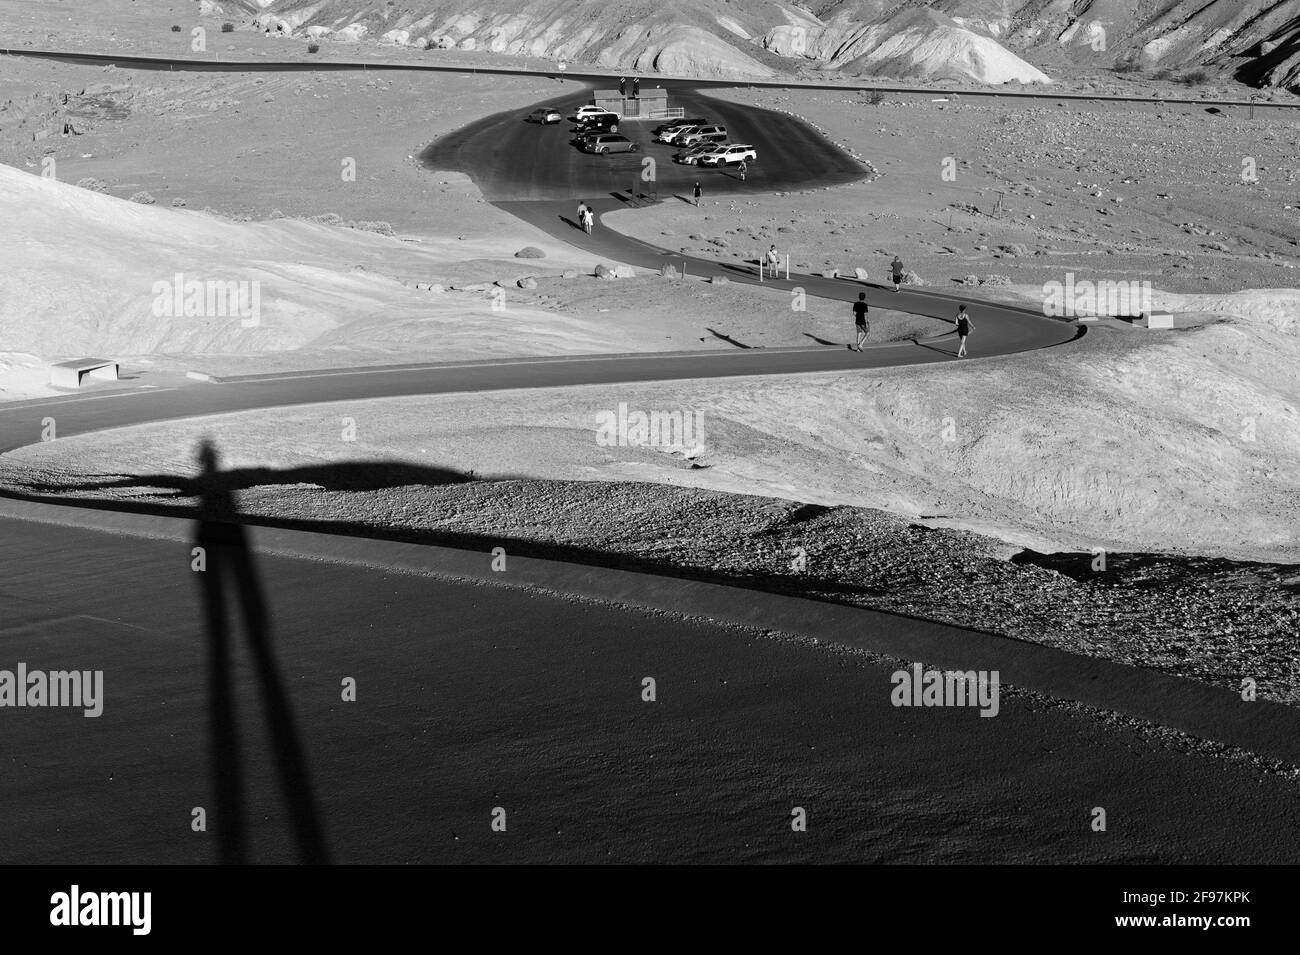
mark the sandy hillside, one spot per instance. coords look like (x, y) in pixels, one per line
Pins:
(84, 273)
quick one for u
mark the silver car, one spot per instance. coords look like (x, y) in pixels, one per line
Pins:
(609, 143)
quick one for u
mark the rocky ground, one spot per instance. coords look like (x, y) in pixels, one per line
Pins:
(1216, 621)
(1178, 196)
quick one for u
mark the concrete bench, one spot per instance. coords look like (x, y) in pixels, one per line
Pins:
(69, 374)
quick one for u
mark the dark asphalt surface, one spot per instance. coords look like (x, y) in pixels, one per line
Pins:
(471, 697)
(511, 160)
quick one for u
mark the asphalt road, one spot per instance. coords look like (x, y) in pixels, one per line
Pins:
(192, 64)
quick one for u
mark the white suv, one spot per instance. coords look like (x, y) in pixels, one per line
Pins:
(730, 155)
(584, 111)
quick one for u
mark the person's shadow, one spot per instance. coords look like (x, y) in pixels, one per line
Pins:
(230, 575)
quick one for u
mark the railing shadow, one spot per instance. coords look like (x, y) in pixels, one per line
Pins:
(230, 575)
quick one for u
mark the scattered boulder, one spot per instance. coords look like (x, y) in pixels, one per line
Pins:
(860, 274)
(569, 274)
(530, 252)
(971, 280)
(911, 278)
(605, 272)
(831, 274)
(143, 198)
(269, 23)
(352, 33)
(668, 272)
(527, 282)
(996, 281)
(316, 33)
(624, 272)
(94, 185)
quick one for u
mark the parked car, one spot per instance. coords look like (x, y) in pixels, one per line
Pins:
(695, 154)
(586, 111)
(670, 134)
(546, 115)
(703, 134)
(604, 121)
(730, 155)
(609, 143)
(676, 123)
(583, 133)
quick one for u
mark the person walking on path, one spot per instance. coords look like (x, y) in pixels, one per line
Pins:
(773, 262)
(860, 309)
(588, 220)
(582, 213)
(896, 268)
(963, 323)
(743, 169)
(697, 193)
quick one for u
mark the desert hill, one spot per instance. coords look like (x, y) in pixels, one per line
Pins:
(985, 41)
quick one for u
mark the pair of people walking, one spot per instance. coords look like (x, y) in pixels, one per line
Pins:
(863, 326)
(586, 217)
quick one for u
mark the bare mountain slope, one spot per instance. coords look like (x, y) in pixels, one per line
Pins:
(988, 41)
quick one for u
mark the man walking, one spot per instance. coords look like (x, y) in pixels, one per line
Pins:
(896, 268)
(582, 214)
(964, 326)
(743, 169)
(860, 309)
(773, 261)
(697, 193)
